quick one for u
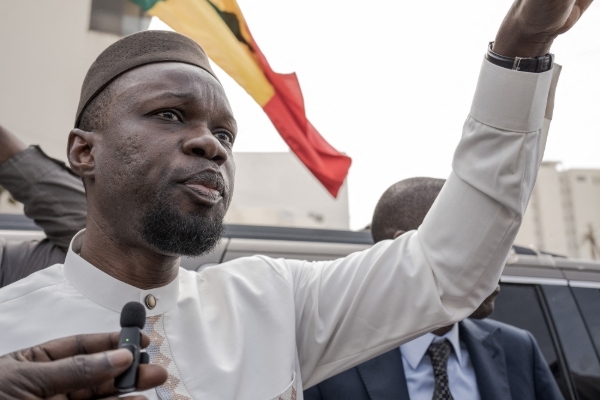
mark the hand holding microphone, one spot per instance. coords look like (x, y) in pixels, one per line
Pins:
(133, 319)
(82, 367)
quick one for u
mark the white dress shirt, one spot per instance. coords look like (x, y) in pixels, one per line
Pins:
(419, 371)
(257, 328)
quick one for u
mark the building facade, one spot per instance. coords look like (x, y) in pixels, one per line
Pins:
(563, 216)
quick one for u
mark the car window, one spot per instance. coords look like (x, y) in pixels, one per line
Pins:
(510, 310)
(588, 301)
(576, 343)
(520, 306)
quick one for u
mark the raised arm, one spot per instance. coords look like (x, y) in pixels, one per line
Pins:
(10, 145)
(356, 308)
(53, 198)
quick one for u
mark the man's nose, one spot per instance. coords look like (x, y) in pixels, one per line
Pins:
(206, 145)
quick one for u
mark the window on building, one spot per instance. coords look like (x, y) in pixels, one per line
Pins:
(119, 17)
(581, 178)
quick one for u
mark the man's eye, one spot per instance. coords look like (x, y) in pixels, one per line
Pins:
(170, 115)
(224, 137)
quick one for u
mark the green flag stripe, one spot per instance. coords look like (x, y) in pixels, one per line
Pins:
(232, 22)
(145, 4)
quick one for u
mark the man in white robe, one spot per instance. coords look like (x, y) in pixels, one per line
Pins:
(153, 144)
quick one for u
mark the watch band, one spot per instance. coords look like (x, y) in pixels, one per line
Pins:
(531, 64)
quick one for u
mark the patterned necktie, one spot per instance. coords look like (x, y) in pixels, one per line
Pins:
(439, 354)
(159, 352)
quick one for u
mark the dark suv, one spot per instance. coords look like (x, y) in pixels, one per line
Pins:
(555, 298)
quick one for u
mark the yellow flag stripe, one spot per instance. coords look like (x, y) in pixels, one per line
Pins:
(199, 21)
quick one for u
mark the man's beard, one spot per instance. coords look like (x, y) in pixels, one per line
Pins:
(171, 232)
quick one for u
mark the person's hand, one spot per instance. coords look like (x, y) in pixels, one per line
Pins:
(9, 144)
(77, 367)
(531, 26)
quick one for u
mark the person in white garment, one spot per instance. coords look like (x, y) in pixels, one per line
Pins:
(153, 144)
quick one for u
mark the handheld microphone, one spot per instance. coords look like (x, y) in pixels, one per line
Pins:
(133, 319)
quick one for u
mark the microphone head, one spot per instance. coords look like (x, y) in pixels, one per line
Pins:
(133, 314)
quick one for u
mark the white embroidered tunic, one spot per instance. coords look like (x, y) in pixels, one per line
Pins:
(258, 328)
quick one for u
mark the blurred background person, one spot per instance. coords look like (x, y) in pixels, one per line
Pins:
(52, 196)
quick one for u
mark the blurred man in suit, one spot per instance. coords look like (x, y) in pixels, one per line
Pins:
(471, 360)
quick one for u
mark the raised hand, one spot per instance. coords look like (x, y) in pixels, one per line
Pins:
(77, 367)
(531, 26)
(9, 144)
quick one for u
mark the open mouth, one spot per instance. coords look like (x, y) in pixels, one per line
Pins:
(204, 190)
(204, 193)
(207, 188)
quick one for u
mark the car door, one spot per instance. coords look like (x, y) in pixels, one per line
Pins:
(574, 311)
(565, 322)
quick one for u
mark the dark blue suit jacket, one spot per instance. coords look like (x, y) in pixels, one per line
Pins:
(507, 361)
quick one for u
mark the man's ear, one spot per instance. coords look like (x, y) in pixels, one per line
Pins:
(398, 233)
(80, 153)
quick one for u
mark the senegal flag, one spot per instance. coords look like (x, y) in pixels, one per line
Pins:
(219, 27)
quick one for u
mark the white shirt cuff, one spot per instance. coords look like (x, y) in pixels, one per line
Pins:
(511, 100)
